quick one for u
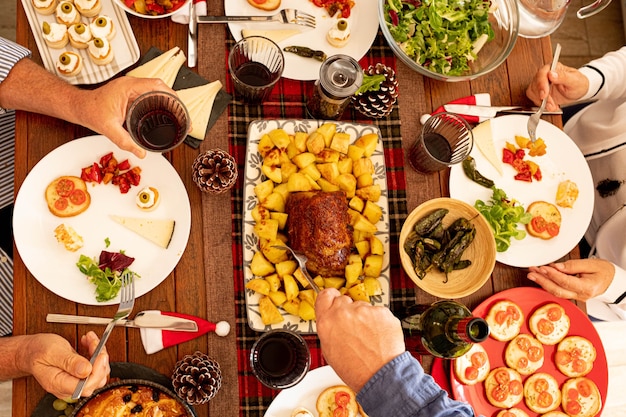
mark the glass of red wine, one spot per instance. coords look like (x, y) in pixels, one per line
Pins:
(280, 358)
(255, 64)
(158, 121)
(446, 139)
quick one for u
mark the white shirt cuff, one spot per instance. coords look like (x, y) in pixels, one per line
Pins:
(595, 82)
(616, 288)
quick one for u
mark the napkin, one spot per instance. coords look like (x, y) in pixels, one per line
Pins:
(154, 340)
(182, 16)
(615, 349)
(480, 99)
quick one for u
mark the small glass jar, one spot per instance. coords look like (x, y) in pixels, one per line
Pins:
(340, 77)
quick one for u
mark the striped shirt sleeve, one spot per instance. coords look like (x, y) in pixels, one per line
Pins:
(10, 54)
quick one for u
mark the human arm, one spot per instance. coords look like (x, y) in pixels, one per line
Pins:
(53, 362)
(600, 79)
(364, 344)
(30, 87)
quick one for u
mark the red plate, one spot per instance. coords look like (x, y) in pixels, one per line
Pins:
(529, 299)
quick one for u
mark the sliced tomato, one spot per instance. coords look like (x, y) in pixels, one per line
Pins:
(545, 399)
(478, 359)
(522, 363)
(523, 343)
(471, 373)
(538, 224)
(516, 387)
(104, 160)
(584, 388)
(579, 366)
(61, 204)
(514, 312)
(535, 354)
(562, 357)
(545, 326)
(572, 394)
(541, 385)
(573, 408)
(500, 392)
(554, 314)
(507, 156)
(520, 154)
(502, 376)
(64, 187)
(85, 174)
(96, 173)
(342, 398)
(552, 229)
(537, 175)
(78, 197)
(524, 176)
(340, 412)
(501, 317)
(124, 165)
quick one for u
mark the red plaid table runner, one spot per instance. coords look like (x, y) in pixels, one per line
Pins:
(287, 102)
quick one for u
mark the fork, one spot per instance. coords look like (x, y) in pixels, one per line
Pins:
(533, 121)
(127, 301)
(284, 16)
(302, 260)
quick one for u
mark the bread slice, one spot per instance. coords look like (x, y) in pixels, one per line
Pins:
(473, 366)
(586, 403)
(541, 393)
(550, 214)
(505, 319)
(67, 196)
(265, 4)
(549, 323)
(157, 231)
(504, 388)
(326, 404)
(575, 356)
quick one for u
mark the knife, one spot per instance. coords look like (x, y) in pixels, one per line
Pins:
(144, 319)
(491, 111)
(192, 36)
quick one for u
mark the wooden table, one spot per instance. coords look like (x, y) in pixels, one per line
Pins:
(202, 284)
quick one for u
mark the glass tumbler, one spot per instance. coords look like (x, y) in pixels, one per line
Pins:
(255, 64)
(280, 358)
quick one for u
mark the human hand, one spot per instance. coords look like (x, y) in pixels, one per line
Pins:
(58, 367)
(568, 85)
(357, 338)
(577, 279)
(104, 110)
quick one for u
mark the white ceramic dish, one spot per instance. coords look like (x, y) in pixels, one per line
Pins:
(55, 267)
(562, 161)
(363, 23)
(305, 393)
(253, 176)
(124, 45)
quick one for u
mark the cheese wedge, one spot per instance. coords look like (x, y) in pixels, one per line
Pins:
(157, 231)
(484, 140)
(164, 66)
(275, 35)
(199, 102)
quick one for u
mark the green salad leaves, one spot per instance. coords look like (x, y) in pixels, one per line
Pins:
(443, 36)
(503, 215)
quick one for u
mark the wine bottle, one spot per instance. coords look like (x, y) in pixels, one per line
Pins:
(445, 329)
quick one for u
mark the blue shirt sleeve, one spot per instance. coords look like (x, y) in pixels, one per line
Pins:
(401, 388)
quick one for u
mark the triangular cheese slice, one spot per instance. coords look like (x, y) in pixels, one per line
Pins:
(164, 66)
(275, 35)
(158, 231)
(199, 102)
(483, 138)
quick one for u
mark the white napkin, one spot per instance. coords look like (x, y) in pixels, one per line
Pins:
(611, 333)
(182, 16)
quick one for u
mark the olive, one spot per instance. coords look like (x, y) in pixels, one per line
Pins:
(46, 28)
(66, 7)
(101, 22)
(65, 59)
(69, 410)
(59, 404)
(98, 43)
(144, 197)
(342, 24)
(79, 28)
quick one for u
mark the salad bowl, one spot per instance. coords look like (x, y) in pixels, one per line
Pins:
(450, 41)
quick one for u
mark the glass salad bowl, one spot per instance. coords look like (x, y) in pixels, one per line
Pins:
(457, 40)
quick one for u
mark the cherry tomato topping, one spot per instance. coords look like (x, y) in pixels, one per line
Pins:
(104, 160)
(500, 392)
(535, 353)
(501, 317)
(576, 352)
(523, 343)
(502, 376)
(64, 187)
(545, 326)
(516, 387)
(572, 394)
(78, 197)
(471, 373)
(552, 229)
(507, 156)
(545, 399)
(579, 366)
(541, 385)
(554, 313)
(478, 359)
(538, 224)
(522, 363)
(514, 312)
(573, 408)
(124, 165)
(342, 398)
(340, 412)
(562, 357)
(584, 388)
(61, 204)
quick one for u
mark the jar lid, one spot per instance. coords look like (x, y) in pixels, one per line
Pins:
(341, 76)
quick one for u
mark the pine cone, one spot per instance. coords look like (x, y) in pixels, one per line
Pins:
(214, 171)
(377, 104)
(197, 378)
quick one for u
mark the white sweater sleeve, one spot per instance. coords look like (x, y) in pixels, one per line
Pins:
(606, 76)
(615, 295)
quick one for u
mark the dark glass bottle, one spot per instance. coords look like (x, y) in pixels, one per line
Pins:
(445, 329)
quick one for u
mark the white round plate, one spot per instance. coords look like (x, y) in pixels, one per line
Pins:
(55, 267)
(363, 23)
(563, 161)
(305, 393)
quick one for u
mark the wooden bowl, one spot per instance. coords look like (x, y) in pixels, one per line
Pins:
(482, 251)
